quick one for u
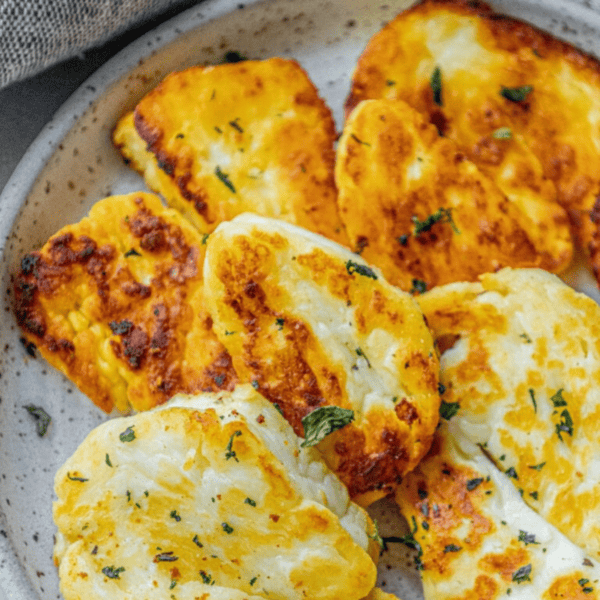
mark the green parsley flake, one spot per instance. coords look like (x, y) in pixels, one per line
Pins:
(511, 472)
(441, 215)
(175, 516)
(516, 94)
(107, 460)
(359, 141)
(280, 323)
(81, 479)
(42, 418)
(206, 578)
(231, 453)
(527, 538)
(558, 400)
(205, 237)
(173, 584)
(537, 467)
(324, 420)
(452, 548)
(361, 353)
(197, 541)
(253, 580)
(473, 483)
(353, 267)
(250, 502)
(112, 572)
(532, 395)
(418, 287)
(131, 252)
(522, 574)
(565, 425)
(165, 557)
(128, 435)
(224, 179)
(435, 82)
(227, 528)
(448, 409)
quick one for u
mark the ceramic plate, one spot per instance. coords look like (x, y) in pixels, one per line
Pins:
(73, 164)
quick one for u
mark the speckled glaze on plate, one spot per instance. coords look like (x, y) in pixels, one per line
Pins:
(72, 164)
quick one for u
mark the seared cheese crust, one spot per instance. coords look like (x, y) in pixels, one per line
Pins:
(476, 537)
(521, 358)
(251, 136)
(310, 325)
(207, 497)
(116, 303)
(479, 53)
(394, 172)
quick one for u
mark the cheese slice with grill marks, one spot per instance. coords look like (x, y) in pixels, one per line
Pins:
(209, 496)
(311, 325)
(521, 365)
(477, 539)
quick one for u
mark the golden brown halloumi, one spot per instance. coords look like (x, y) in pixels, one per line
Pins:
(311, 326)
(251, 136)
(479, 77)
(414, 206)
(116, 303)
(211, 494)
(521, 365)
(476, 538)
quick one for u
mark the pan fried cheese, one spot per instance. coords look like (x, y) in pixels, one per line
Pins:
(116, 303)
(483, 78)
(211, 494)
(310, 325)
(251, 136)
(477, 539)
(415, 207)
(521, 365)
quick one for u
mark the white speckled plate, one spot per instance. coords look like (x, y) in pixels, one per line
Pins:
(72, 164)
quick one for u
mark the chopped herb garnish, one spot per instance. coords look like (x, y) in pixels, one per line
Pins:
(253, 580)
(522, 574)
(146, 493)
(403, 239)
(537, 467)
(231, 453)
(165, 557)
(452, 548)
(448, 409)
(128, 435)
(112, 572)
(527, 538)
(390, 82)
(205, 237)
(436, 86)
(42, 418)
(250, 502)
(173, 584)
(502, 133)
(511, 472)
(224, 179)
(227, 528)
(441, 388)
(526, 338)
(441, 215)
(229, 332)
(534, 495)
(280, 323)
(197, 542)
(558, 400)
(410, 541)
(363, 270)
(107, 460)
(361, 353)
(254, 384)
(532, 396)
(565, 425)
(418, 287)
(175, 516)
(376, 537)
(236, 125)
(206, 578)
(473, 483)
(359, 141)
(131, 252)
(425, 525)
(81, 479)
(120, 327)
(516, 94)
(324, 420)
(128, 494)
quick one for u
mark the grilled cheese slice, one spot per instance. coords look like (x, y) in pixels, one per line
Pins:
(478, 76)
(312, 326)
(116, 303)
(209, 496)
(476, 538)
(521, 363)
(414, 205)
(251, 136)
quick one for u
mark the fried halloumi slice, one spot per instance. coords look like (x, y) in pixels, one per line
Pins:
(521, 365)
(482, 78)
(416, 208)
(250, 136)
(313, 327)
(477, 539)
(207, 496)
(116, 303)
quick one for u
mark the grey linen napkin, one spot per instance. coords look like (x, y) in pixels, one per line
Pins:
(35, 34)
